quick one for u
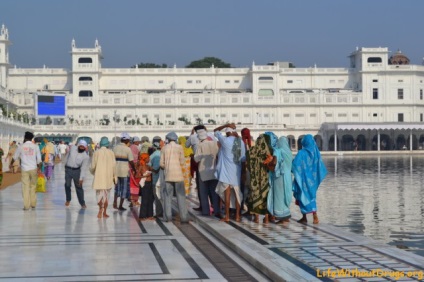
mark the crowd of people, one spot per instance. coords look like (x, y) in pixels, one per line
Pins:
(234, 175)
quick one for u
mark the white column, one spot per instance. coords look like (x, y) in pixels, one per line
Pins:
(410, 141)
(335, 139)
(378, 140)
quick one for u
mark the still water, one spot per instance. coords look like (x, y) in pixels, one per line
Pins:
(377, 196)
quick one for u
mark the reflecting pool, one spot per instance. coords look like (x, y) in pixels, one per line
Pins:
(377, 196)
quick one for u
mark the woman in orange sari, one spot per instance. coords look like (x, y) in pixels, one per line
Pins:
(147, 197)
(188, 152)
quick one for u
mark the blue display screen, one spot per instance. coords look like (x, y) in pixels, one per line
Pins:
(51, 105)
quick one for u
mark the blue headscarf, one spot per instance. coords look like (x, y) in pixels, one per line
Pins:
(274, 139)
(280, 180)
(309, 171)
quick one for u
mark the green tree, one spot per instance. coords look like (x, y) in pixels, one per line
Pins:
(207, 62)
(150, 66)
(25, 117)
(199, 120)
(49, 120)
(185, 120)
(105, 121)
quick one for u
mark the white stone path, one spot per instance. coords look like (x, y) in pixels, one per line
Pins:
(56, 243)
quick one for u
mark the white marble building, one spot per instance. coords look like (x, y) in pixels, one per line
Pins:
(377, 99)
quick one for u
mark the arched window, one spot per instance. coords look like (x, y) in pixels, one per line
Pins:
(374, 60)
(85, 93)
(85, 78)
(85, 60)
(266, 78)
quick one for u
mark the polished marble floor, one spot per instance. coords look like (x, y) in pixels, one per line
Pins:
(58, 243)
(299, 252)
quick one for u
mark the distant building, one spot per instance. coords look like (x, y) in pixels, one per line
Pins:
(378, 99)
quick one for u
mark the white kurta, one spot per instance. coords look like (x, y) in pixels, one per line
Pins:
(103, 167)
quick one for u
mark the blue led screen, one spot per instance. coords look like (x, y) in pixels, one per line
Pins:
(51, 105)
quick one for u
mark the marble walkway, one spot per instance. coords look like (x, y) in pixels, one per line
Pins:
(58, 243)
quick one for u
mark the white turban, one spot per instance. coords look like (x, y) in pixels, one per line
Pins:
(229, 129)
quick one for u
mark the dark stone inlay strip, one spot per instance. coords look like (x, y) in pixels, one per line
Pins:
(223, 263)
(299, 264)
(117, 234)
(97, 280)
(197, 269)
(163, 227)
(134, 242)
(82, 275)
(159, 259)
(134, 213)
(249, 234)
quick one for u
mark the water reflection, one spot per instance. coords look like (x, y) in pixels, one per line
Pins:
(380, 197)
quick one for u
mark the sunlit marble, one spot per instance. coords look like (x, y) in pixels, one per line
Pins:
(58, 243)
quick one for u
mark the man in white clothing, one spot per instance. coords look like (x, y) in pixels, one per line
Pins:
(205, 156)
(30, 156)
(62, 149)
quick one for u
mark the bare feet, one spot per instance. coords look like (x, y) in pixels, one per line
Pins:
(105, 214)
(238, 218)
(303, 219)
(316, 220)
(283, 221)
(256, 218)
(225, 219)
(100, 214)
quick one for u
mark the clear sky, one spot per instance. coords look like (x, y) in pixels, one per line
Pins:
(322, 32)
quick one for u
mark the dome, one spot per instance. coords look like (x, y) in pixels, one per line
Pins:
(398, 59)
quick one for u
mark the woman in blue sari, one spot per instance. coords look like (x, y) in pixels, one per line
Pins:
(280, 180)
(308, 171)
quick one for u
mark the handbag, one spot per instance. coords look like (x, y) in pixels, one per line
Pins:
(41, 183)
